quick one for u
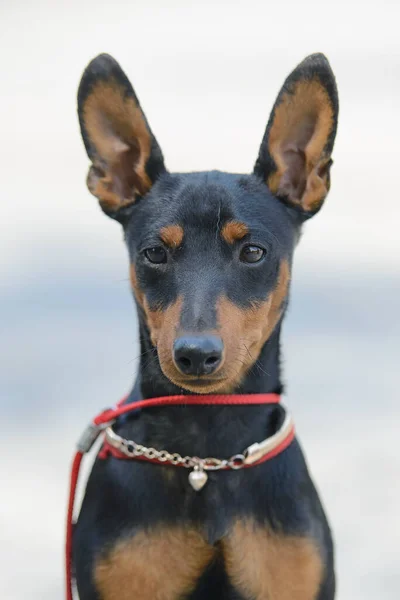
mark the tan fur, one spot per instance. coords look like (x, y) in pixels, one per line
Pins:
(135, 285)
(244, 332)
(304, 113)
(117, 130)
(164, 564)
(154, 318)
(160, 322)
(172, 235)
(163, 327)
(234, 231)
(264, 565)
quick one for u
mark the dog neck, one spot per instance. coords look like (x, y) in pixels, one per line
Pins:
(262, 377)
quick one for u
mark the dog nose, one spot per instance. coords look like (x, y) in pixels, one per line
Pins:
(198, 355)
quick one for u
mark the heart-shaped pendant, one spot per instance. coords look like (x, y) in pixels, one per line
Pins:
(198, 478)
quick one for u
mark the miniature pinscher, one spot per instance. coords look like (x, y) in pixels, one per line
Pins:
(210, 268)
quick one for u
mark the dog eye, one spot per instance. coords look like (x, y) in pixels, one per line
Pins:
(156, 255)
(251, 254)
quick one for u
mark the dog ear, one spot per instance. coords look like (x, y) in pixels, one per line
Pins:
(126, 159)
(295, 153)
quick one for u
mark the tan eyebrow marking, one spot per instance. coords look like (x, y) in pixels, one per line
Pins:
(234, 231)
(172, 235)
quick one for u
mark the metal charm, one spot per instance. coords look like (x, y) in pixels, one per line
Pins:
(198, 478)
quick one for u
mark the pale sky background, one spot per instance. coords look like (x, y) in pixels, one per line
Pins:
(207, 74)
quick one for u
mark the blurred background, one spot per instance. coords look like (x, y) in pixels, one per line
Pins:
(207, 74)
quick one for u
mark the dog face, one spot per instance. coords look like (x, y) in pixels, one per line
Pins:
(210, 253)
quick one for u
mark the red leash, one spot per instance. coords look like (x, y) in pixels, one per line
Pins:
(108, 416)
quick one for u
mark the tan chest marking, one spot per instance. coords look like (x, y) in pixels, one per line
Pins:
(267, 566)
(162, 564)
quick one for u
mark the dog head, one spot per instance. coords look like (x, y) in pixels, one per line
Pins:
(210, 253)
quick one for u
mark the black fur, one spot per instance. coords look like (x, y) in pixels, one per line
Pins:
(125, 496)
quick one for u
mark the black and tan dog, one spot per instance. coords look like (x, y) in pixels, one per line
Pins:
(210, 257)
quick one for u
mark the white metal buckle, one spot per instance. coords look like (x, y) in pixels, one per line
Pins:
(90, 435)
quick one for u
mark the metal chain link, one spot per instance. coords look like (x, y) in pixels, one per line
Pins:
(250, 456)
(132, 449)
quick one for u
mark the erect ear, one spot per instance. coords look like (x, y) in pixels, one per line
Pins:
(125, 155)
(295, 154)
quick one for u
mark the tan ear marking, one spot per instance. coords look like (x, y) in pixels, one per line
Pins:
(121, 143)
(302, 124)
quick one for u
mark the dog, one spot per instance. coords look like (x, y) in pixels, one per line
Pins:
(210, 268)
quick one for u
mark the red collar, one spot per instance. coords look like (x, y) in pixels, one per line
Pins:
(107, 417)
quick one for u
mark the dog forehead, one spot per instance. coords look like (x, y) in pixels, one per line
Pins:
(207, 198)
(201, 203)
(194, 198)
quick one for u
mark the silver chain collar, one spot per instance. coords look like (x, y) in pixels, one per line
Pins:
(198, 477)
(132, 450)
